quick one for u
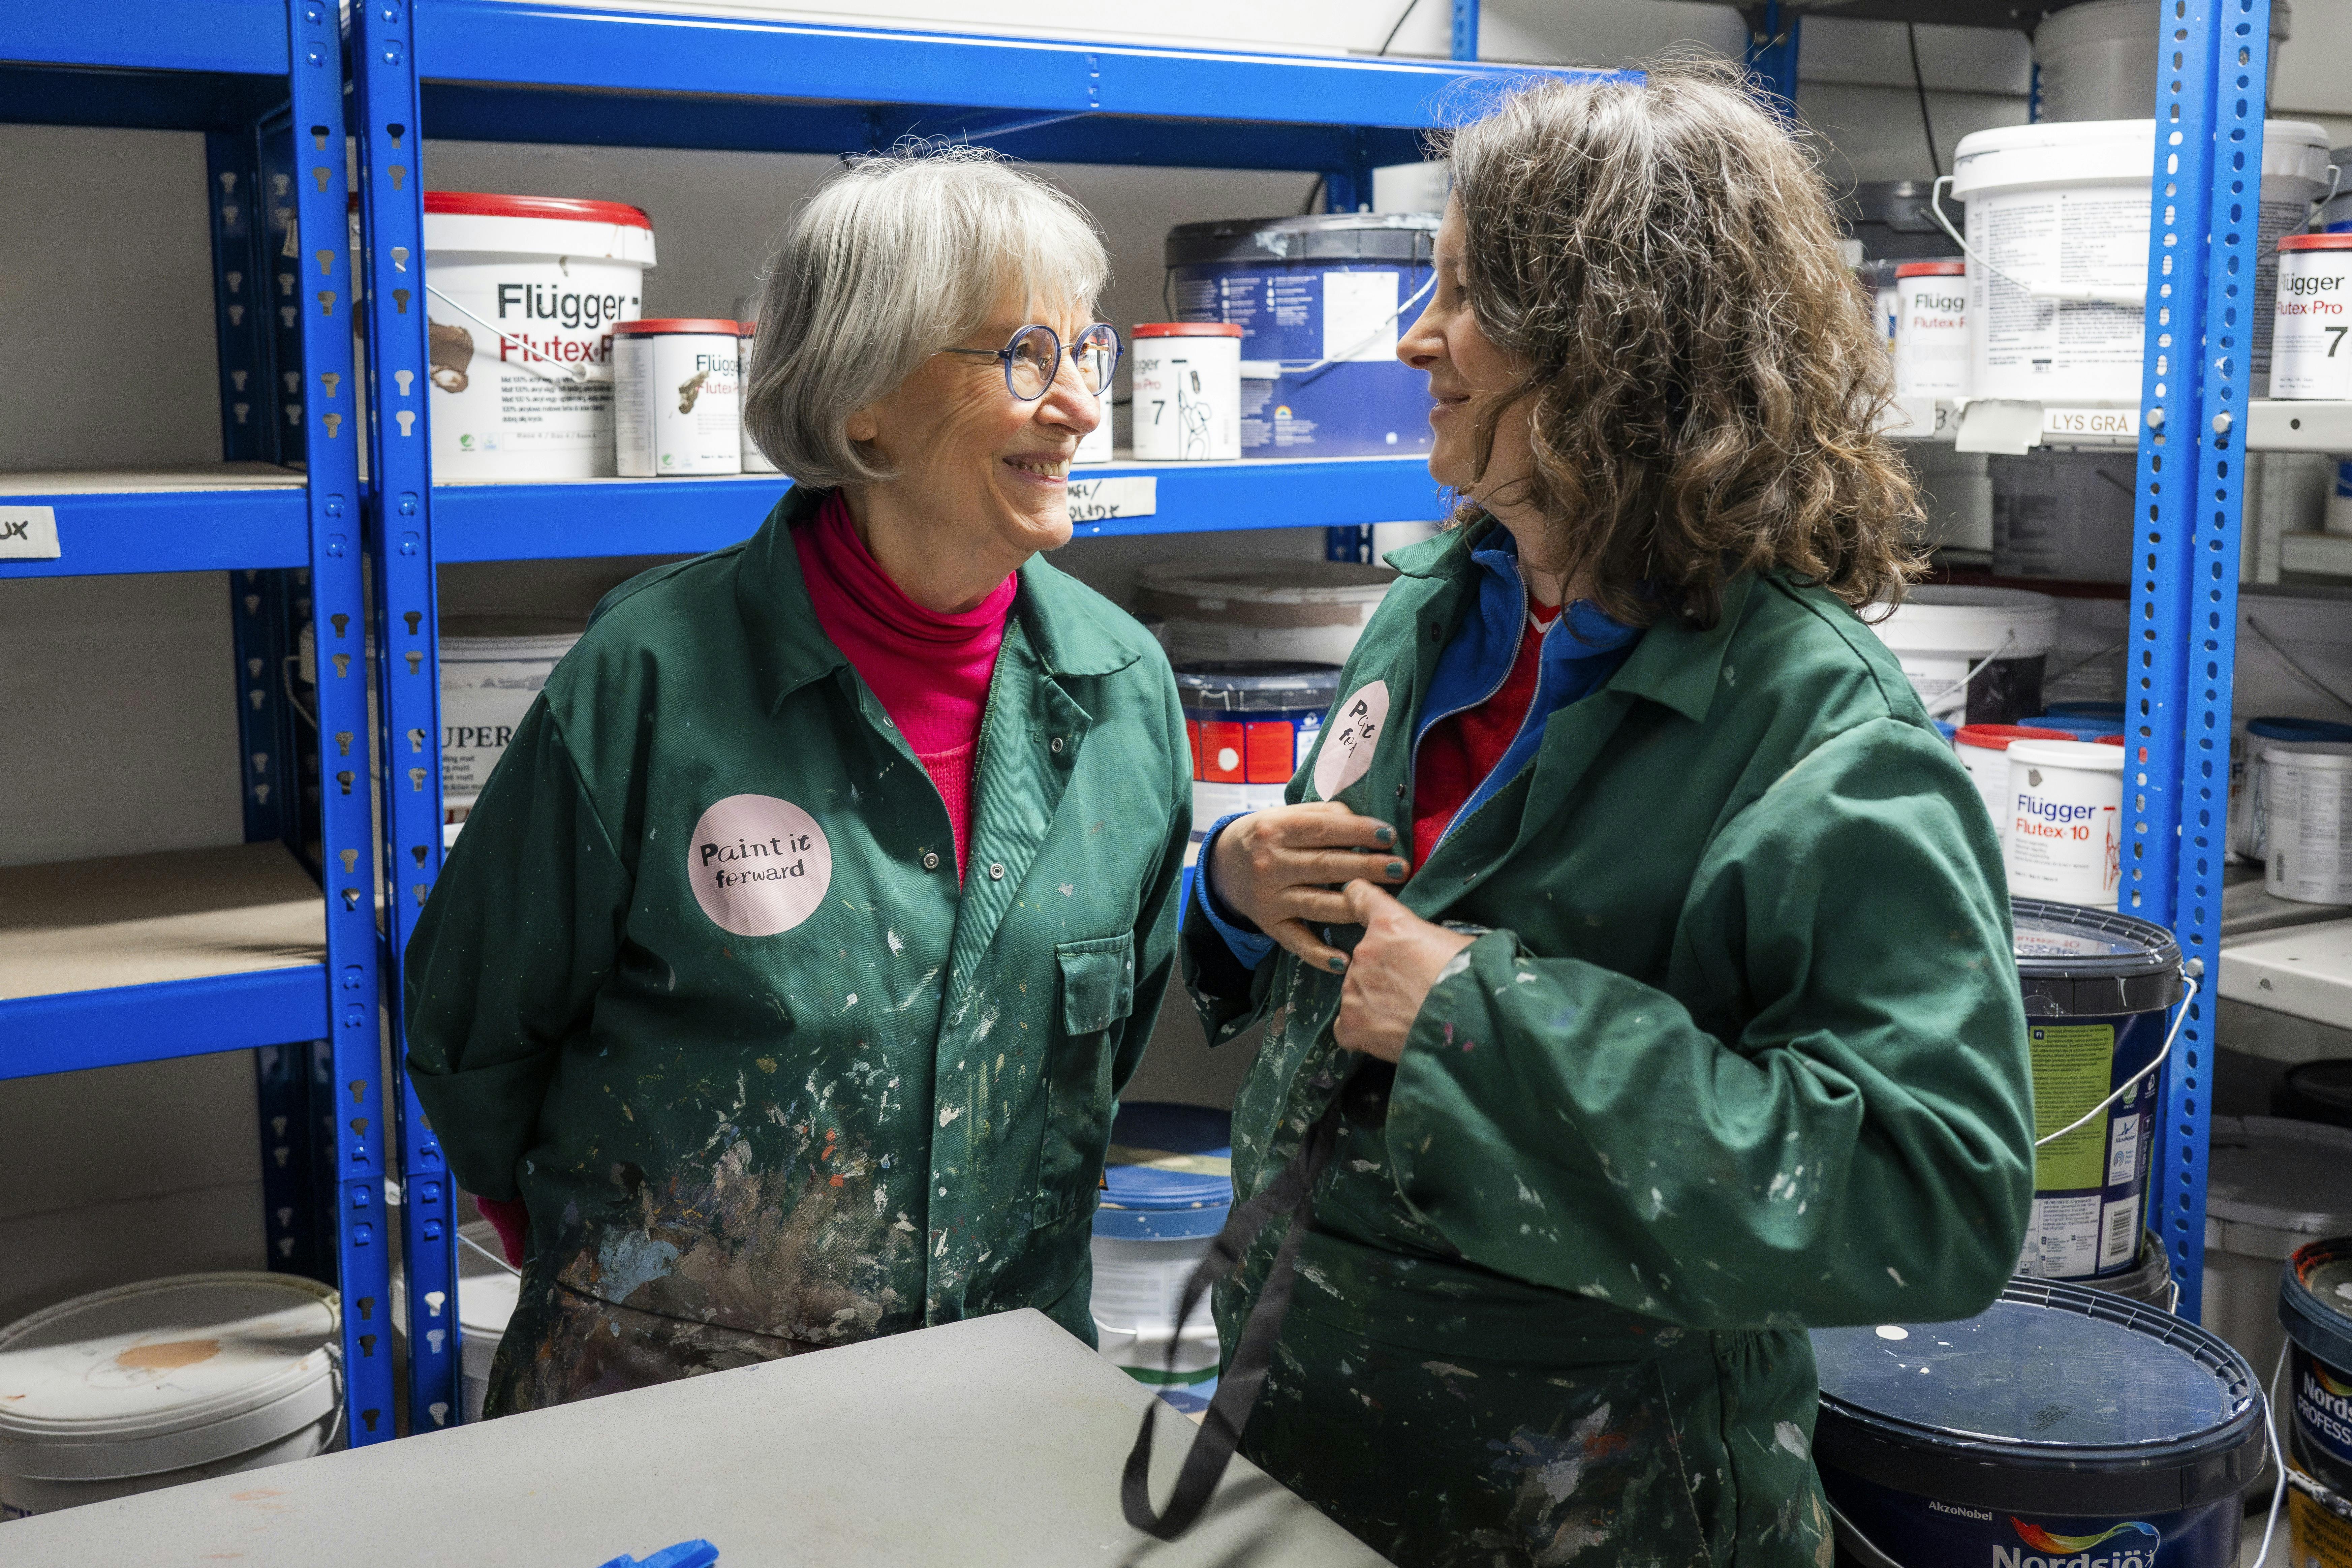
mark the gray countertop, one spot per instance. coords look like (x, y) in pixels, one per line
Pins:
(997, 1441)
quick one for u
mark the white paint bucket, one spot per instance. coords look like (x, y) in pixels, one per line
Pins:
(2307, 790)
(491, 669)
(2314, 317)
(2098, 60)
(2271, 1185)
(1983, 750)
(523, 294)
(1309, 611)
(486, 1300)
(2065, 838)
(2057, 229)
(1167, 1188)
(1994, 639)
(677, 397)
(755, 461)
(1931, 339)
(2065, 514)
(1187, 384)
(180, 1379)
(2249, 752)
(1097, 446)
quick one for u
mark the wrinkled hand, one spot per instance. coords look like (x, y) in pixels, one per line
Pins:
(1391, 973)
(1279, 868)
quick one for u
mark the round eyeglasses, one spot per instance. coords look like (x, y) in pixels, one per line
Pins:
(1034, 358)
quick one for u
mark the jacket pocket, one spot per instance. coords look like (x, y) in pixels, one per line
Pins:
(1097, 995)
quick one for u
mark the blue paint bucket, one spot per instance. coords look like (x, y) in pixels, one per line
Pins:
(1320, 302)
(2082, 726)
(2111, 714)
(1168, 1182)
(2315, 1305)
(2097, 987)
(2061, 1427)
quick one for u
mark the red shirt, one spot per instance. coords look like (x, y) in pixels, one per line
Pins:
(929, 670)
(1461, 748)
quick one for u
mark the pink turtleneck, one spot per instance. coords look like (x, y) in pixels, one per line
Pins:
(929, 671)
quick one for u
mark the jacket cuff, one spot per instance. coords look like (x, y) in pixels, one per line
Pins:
(1242, 938)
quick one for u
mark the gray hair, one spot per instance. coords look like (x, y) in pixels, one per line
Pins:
(892, 260)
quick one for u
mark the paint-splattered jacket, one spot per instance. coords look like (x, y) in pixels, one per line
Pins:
(1741, 1052)
(700, 983)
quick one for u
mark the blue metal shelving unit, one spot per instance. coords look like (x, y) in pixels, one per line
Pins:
(264, 80)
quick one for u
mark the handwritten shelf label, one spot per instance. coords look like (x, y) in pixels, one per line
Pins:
(28, 533)
(1100, 500)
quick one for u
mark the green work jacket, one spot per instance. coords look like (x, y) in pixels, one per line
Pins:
(1740, 1051)
(700, 983)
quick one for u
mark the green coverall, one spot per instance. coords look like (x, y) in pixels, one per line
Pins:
(1740, 1051)
(700, 983)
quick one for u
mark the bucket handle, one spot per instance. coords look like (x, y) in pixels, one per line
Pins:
(2189, 973)
(468, 1241)
(1855, 1541)
(2059, 293)
(1958, 695)
(577, 375)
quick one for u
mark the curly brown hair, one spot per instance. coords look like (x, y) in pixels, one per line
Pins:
(1658, 253)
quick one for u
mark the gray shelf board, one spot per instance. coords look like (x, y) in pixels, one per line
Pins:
(2320, 554)
(2276, 425)
(2247, 907)
(2305, 972)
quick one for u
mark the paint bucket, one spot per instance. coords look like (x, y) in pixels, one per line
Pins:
(2319, 1526)
(2249, 772)
(485, 1300)
(2271, 1186)
(524, 293)
(1994, 639)
(180, 1379)
(1097, 445)
(1323, 298)
(2148, 1281)
(1308, 611)
(2065, 835)
(2097, 989)
(2075, 726)
(2110, 714)
(2057, 1424)
(2063, 514)
(2313, 317)
(2062, 210)
(1167, 1181)
(2308, 831)
(2315, 1307)
(2316, 1091)
(1187, 384)
(1250, 724)
(2097, 61)
(491, 669)
(1983, 750)
(755, 461)
(677, 397)
(1931, 334)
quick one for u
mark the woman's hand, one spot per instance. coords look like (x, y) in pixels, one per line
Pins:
(1281, 867)
(1392, 972)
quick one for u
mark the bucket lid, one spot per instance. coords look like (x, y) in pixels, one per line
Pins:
(2088, 755)
(2315, 242)
(2111, 712)
(563, 209)
(1170, 1157)
(1952, 619)
(2079, 962)
(2327, 756)
(2316, 1300)
(1996, 737)
(2326, 1084)
(1265, 685)
(1931, 268)
(656, 326)
(1324, 237)
(2056, 1399)
(164, 1373)
(2279, 1175)
(1186, 329)
(1302, 582)
(2274, 727)
(2072, 725)
(2059, 152)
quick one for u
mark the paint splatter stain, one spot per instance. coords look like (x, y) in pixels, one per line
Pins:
(169, 1356)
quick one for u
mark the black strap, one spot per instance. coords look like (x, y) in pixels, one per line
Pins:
(1292, 1194)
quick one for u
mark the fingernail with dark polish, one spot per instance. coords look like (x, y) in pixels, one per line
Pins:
(1338, 966)
(1384, 835)
(1396, 868)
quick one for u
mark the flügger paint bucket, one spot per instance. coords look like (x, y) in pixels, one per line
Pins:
(1167, 1183)
(1250, 724)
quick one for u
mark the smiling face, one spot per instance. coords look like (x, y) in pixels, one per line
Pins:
(1463, 362)
(982, 475)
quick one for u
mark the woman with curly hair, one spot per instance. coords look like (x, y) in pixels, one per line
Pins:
(1664, 1005)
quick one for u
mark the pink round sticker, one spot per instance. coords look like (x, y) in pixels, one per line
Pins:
(758, 865)
(1350, 735)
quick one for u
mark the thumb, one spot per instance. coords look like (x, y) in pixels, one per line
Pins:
(1367, 902)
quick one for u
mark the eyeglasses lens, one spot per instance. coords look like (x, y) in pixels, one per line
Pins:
(1031, 368)
(1097, 352)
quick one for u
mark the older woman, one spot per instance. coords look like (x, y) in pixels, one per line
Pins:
(1691, 1020)
(789, 963)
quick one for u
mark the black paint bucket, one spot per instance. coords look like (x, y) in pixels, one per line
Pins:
(2316, 1305)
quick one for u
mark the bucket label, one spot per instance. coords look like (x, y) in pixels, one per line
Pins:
(2088, 1184)
(2322, 1408)
(757, 866)
(1347, 754)
(1925, 1533)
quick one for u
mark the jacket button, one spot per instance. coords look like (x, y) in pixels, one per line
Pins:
(1057, 745)
(995, 873)
(1399, 791)
(930, 860)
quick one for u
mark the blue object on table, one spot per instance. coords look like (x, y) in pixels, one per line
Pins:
(685, 1554)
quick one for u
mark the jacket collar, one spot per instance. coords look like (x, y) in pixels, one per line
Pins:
(1064, 622)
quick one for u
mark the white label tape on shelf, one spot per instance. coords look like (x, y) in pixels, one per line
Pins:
(1097, 500)
(2094, 423)
(28, 533)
